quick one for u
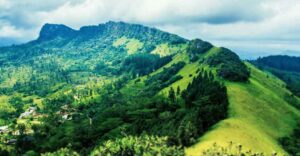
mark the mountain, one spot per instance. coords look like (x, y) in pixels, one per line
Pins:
(127, 89)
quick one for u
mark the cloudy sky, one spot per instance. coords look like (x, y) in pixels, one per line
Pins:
(249, 27)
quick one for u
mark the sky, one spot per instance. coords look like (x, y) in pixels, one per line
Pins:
(251, 28)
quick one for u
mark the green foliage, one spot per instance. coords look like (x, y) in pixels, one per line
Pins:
(282, 62)
(196, 47)
(21, 129)
(229, 66)
(172, 95)
(76, 79)
(292, 143)
(62, 152)
(143, 145)
(208, 100)
(114, 114)
(144, 63)
(284, 67)
(161, 80)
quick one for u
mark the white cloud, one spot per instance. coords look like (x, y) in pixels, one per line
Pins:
(218, 20)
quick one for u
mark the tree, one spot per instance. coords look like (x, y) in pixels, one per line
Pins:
(22, 129)
(172, 94)
(178, 91)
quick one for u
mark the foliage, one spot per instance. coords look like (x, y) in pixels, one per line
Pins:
(229, 66)
(282, 62)
(196, 47)
(258, 115)
(76, 79)
(161, 80)
(143, 145)
(292, 143)
(113, 114)
(144, 63)
(62, 152)
(284, 67)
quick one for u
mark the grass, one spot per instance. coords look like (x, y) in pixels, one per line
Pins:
(120, 41)
(189, 71)
(132, 45)
(258, 116)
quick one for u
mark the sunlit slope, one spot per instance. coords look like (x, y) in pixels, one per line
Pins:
(258, 115)
(189, 71)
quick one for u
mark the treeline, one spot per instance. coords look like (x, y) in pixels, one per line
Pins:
(162, 79)
(286, 68)
(143, 63)
(282, 62)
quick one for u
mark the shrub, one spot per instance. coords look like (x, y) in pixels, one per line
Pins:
(143, 145)
(229, 66)
(197, 46)
(62, 152)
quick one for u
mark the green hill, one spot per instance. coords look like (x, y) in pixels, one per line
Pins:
(126, 89)
(258, 116)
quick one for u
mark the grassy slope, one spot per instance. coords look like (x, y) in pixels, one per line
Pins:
(258, 115)
(132, 45)
(189, 71)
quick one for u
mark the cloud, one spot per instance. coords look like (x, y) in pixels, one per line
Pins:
(160, 12)
(217, 20)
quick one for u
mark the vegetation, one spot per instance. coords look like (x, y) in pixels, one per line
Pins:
(233, 150)
(143, 63)
(258, 116)
(282, 62)
(228, 65)
(284, 67)
(163, 79)
(196, 47)
(144, 145)
(125, 89)
(292, 143)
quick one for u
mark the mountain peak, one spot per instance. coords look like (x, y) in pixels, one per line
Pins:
(110, 28)
(50, 31)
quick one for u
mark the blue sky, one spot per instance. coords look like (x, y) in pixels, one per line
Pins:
(249, 27)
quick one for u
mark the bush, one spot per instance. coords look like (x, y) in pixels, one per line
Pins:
(62, 152)
(143, 145)
(229, 66)
(196, 47)
(144, 63)
(292, 143)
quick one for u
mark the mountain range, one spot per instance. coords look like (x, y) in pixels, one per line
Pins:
(127, 89)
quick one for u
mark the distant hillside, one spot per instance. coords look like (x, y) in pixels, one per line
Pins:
(282, 62)
(284, 67)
